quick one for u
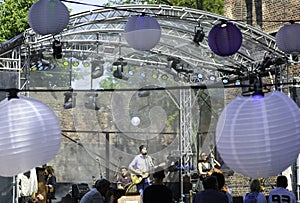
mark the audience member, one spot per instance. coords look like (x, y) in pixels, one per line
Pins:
(221, 185)
(97, 194)
(158, 192)
(255, 196)
(210, 194)
(281, 194)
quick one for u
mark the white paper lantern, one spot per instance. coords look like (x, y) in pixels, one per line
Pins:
(259, 137)
(287, 38)
(48, 17)
(135, 121)
(142, 32)
(30, 135)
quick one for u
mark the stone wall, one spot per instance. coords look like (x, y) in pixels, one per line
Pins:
(273, 12)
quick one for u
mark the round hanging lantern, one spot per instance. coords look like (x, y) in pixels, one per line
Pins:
(30, 135)
(259, 137)
(287, 38)
(48, 17)
(225, 39)
(142, 32)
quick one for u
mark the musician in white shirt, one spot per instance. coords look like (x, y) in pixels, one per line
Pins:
(141, 165)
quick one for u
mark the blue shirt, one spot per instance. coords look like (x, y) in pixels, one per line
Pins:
(93, 196)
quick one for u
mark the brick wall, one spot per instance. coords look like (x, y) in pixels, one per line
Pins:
(272, 10)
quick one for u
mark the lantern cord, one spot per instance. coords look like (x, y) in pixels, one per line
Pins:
(13, 93)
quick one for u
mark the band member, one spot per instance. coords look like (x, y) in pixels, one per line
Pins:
(207, 166)
(124, 180)
(140, 167)
(50, 180)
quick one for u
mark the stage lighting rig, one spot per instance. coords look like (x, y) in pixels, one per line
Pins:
(70, 100)
(90, 102)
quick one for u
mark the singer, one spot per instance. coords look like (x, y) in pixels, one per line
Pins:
(140, 168)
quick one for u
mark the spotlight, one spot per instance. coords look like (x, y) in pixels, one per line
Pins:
(225, 80)
(143, 93)
(91, 101)
(70, 100)
(57, 49)
(200, 76)
(119, 73)
(164, 77)
(76, 63)
(212, 78)
(199, 35)
(97, 69)
(38, 62)
(154, 76)
(130, 72)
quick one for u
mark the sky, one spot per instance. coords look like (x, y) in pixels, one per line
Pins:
(76, 8)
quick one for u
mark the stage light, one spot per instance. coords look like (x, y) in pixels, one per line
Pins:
(164, 77)
(119, 73)
(199, 35)
(225, 80)
(154, 76)
(130, 72)
(212, 78)
(57, 49)
(70, 100)
(97, 69)
(66, 63)
(76, 63)
(86, 64)
(200, 76)
(238, 82)
(91, 101)
(143, 75)
(143, 93)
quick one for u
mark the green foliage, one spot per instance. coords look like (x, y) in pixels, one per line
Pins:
(213, 6)
(14, 18)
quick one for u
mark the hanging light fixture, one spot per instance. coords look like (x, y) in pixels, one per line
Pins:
(142, 32)
(225, 39)
(30, 134)
(48, 17)
(287, 38)
(259, 136)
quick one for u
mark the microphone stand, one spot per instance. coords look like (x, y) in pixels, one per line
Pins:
(89, 153)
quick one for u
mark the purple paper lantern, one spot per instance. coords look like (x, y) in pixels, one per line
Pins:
(48, 17)
(259, 137)
(225, 39)
(142, 32)
(287, 38)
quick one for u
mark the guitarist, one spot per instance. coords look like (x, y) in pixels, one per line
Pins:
(140, 167)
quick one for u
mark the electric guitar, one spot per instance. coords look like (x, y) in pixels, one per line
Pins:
(137, 178)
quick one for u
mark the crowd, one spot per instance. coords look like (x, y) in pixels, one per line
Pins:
(213, 188)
